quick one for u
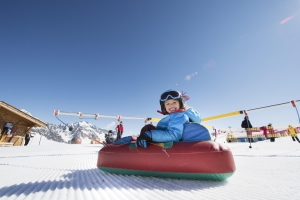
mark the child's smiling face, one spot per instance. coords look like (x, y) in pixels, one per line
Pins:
(172, 105)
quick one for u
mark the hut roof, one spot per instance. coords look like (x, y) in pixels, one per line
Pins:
(20, 114)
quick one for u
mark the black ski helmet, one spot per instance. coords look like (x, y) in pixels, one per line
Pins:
(180, 99)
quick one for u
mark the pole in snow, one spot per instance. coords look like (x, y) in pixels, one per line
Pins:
(294, 105)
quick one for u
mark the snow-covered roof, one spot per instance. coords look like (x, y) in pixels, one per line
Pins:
(25, 115)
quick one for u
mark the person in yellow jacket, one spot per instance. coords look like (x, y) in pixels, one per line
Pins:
(271, 132)
(292, 131)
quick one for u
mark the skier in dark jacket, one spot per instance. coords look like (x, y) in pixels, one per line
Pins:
(246, 124)
(27, 138)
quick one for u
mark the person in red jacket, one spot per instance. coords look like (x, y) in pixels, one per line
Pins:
(265, 132)
(120, 130)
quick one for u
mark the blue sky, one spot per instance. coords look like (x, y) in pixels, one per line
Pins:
(117, 57)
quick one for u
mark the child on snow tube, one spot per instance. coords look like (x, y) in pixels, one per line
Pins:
(171, 127)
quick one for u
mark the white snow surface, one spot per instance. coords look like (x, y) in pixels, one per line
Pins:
(270, 170)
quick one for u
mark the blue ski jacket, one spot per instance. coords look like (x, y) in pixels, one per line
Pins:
(171, 127)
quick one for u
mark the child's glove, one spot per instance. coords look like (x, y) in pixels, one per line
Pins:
(143, 139)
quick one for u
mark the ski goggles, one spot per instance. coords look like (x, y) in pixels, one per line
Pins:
(169, 94)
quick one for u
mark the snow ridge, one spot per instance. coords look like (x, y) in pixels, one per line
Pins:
(60, 133)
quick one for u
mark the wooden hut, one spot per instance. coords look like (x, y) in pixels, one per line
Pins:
(22, 122)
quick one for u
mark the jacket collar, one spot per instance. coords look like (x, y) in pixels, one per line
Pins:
(177, 111)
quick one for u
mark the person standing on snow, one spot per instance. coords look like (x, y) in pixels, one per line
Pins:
(271, 132)
(171, 127)
(292, 131)
(119, 130)
(27, 138)
(246, 124)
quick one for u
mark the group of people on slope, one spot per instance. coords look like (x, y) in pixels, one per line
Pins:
(247, 124)
(109, 139)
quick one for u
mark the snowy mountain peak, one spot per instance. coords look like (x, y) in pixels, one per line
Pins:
(60, 133)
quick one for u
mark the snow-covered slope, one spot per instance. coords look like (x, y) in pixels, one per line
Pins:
(270, 170)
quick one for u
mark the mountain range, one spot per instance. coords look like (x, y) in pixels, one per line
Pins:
(64, 133)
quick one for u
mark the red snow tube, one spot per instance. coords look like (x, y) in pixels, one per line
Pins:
(189, 160)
